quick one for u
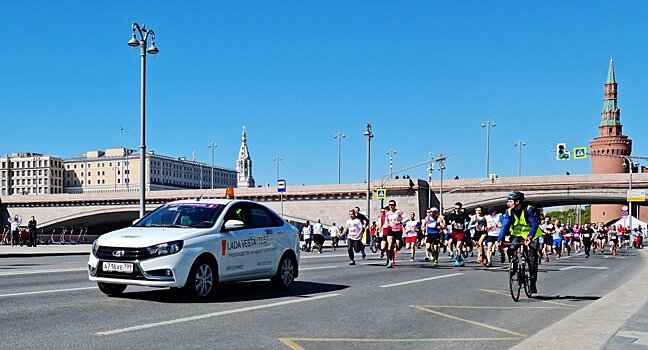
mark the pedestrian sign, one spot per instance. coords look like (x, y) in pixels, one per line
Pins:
(381, 193)
(281, 185)
(580, 152)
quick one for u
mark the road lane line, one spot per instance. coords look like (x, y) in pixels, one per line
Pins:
(490, 307)
(45, 291)
(584, 267)
(420, 280)
(290, 342)
(480, 324)
(318, 268)
(300, 299)
(320, 256)
(506, 294)
(14, 273)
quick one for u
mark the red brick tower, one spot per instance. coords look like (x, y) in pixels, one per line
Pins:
(607, 150)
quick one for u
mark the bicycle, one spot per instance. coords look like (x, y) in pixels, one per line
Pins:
(375, 244)
(518, 272)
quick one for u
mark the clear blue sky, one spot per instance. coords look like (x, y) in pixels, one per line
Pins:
(424, 73)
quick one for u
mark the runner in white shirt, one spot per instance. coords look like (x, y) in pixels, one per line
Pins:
(335, 236)
(318, 235)
(353, 232)
(411, 228)
(493, 227)
(306, 232)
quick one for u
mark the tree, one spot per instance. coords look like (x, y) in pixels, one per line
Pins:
(571, 215)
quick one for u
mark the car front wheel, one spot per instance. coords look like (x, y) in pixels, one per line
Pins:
(202, 280)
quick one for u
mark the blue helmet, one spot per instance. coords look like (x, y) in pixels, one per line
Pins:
(515, 195)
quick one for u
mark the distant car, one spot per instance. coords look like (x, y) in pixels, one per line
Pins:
(195, 244)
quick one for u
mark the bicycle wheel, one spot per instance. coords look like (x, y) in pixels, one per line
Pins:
(525, 276)
(514, 281)
(374, 246)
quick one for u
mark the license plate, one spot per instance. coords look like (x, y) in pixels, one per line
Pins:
(118, 267)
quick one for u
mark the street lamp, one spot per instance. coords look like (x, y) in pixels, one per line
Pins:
(369, 135)
(430, 170)
(339, 136)
(519, 144)
(441, 160)
(213, 147)
(391, 153)
(152, 50)
(277, 159)
(629, 165)
(488, 124)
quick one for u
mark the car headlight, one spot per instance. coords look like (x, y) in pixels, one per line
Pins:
(95, 246)
(164, 248)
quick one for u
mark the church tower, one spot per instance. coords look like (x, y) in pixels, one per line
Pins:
(607, 150)
(244, 164)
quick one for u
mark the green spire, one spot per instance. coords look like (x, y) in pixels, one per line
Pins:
(611, 78)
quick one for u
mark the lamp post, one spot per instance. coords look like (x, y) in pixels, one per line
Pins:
(369, 135)
(629, 165)
(391, 153)
(213, 147)
(430, 170)
(519, 144)
(339, 136)
(152, 50)
(277, 159)
(488, 124)
(441, 160)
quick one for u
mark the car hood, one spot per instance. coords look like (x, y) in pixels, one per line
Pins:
(137, 237)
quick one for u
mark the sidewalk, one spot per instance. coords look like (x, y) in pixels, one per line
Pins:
(7, 251)
(605, 323)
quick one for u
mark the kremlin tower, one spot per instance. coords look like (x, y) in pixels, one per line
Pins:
(607, 150)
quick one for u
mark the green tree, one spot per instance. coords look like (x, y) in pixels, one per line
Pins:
(571, 215)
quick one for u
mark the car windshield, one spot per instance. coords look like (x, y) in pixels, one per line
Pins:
(195, 215)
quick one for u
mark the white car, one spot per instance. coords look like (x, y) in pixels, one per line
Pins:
(195, 244)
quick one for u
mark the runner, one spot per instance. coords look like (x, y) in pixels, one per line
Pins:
(577, 238)
(558, 239)
(365, 227)
(411, 228)
(587, 235)
(493, 226)
(567, 238)
(334, 231)
(433, 224)
(549, 231)
(353, 231)
(613, 235)
(383, 230)
(457, 220)
(395, 227)
(480, 222)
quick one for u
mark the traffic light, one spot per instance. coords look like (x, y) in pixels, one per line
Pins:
(561, 151)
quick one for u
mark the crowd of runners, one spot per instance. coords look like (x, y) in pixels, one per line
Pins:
(460, 235)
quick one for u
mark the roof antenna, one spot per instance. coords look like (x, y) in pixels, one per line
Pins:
(201, 195)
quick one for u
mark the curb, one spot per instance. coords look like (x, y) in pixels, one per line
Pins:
(603, 318)
(31, 255)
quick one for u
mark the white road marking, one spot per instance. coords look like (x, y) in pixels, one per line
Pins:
(584, 267)
(320, 256)
(33, 272)
(642, 337)
(318, 268)
(299, 299)
(45, 291)
(420, 280)
(613, 257)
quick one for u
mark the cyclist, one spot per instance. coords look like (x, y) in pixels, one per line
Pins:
(521, 218)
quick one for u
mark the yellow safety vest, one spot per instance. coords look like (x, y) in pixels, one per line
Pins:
(520, 226)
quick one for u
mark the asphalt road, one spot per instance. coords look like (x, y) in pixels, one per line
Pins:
(49, 302)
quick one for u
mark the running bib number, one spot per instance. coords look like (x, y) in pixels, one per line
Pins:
(458, 226)
(117, 267)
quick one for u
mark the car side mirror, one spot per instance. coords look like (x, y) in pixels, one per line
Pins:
(234, 224)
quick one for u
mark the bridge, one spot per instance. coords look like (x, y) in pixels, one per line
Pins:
(102, 212)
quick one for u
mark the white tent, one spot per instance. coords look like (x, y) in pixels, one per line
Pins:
(625, 222)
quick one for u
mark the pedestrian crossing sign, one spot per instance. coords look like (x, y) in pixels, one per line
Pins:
(381, 193)
(580, 152)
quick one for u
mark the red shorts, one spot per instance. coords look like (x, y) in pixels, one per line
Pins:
(457, 236)
(410, 239)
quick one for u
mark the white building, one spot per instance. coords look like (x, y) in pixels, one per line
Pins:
(30, 173)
